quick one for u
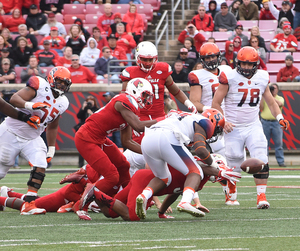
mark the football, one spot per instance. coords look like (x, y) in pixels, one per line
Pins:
(252, 165)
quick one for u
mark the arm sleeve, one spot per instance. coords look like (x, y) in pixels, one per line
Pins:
(273, 10)
(279, 76)
(181, 36)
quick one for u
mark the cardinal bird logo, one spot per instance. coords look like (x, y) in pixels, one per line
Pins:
(137, 83)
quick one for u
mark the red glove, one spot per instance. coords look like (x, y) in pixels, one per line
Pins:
(285, 124)
(34, 121)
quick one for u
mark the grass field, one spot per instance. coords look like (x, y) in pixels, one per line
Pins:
(225, 228)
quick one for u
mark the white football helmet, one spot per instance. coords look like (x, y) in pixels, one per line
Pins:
(146, 56)
(141, 90)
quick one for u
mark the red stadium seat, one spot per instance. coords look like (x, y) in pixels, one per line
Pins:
(248, 24)
(145, 9)
(206, 34)
(59, 18)
(221, 46)
(221, 36)
(69, 19)
(73, 9)
(6, 16)
(155, 4)
(39, 38)
(18, 71)
(91, 18)
(89, 27)
(296, 56)
(94, 9)
(46, 70)
(267, 25)
(92, 69)
(267, 35)
(273, 69)
(273, 78)
(121, 8)
(67, 27)
(278, 57)
(247, 33)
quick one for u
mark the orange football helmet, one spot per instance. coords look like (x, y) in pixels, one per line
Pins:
(60, 73)
(209, 50)
(216, 118)
(247, 55)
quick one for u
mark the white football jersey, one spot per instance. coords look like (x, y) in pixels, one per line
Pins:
(243, 97)
(208, 81)
(47, 115)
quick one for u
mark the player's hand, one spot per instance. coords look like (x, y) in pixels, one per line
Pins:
(36, 106)
(193, 109)
(34, 121)
(228, 127)
(285, 124)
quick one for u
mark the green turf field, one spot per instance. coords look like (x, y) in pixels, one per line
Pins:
(225, 228)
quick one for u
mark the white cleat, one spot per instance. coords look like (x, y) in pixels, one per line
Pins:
(232, 203)
(141, 206)
(188, 208)
(4, 193)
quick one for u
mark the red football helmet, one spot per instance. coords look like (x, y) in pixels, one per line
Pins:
(216, 118)
(146, 56)
(209, 50)
(247, 55)
(60, 73)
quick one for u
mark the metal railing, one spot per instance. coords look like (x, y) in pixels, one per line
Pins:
(174, 8)
(165, 29)
(110, 67)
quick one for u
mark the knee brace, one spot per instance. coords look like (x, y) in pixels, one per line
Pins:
(263, 174)
(35, 175)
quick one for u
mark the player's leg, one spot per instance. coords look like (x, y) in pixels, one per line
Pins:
(135, 160)
(257, 145)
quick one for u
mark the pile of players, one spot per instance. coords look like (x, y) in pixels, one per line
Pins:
(150, 136)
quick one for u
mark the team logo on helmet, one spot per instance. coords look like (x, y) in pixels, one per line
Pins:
(137, 83)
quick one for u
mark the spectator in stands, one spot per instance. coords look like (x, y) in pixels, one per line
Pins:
(284, 41)
(239, 33)
(198, 66)
(83, 30)
(234, 8)
(135, 23)
(7, 75)
(248, 10)
(79, 73)
(230, 54)
(205, 3)
(125, 41)
(8, 38)
(191, 31)
(8, 6)
(203, 21)
(224, 61)
(76, 39)
(101, 40)
(116, 50)
(265, 13)
(51, 6)
(101, 66)
(179, 74)
(261, 52)
(3, 43)
(281, 24)
(224, 20)
(106, 19)
(211, 40)
(296, 23)
(66, 60)
(130, 2)
(284, 12)
(2, 12)
(90, 54)
(26, 4)
(14, 21)
(212, 8)
(35, 20)
(57, 43)
(46, 56)
(272, 129)
(237, 43)
(289, 72)
(192, 52)
(82, 2)
(22, 52)
(5, 53)
(2, 21)
(113, 27)
(31, 39)
(32, 69)
(45, 30)
(188, 63)
(261, 42)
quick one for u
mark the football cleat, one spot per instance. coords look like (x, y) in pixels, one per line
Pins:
(262, 202)
(29, 208)
(188, 208)
(87, 196)
(141, 206)
(94, 207)
(165, 216)
(66, 208)
(74, 177)
(4, 193)
(83, 215)
(232, 203)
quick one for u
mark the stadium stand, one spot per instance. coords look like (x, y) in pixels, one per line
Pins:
(221, 36)
(93, 9)
(278, 57)
(91, 18)
(267, 35)
(70, 18)
(206, 34)
(155, 4)
(248, 24)
(296, 56)
(74, 9)
(267, 25)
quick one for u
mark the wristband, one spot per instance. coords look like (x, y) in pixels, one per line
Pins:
(51, 151)
(28, 105)
(279, 117)
(23, 117)
(188, 103)
(205, 107)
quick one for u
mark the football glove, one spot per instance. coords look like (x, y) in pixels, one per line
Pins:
(35, 106)
(192, 108)
(34, 121)
(228, 175)
(50, 153)
(285, 124)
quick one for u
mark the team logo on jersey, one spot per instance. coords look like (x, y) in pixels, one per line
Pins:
(149, 76)
(137, 83)
(241, 84)
(159, 72)
(211, 80)
(249, 82)
(46, 89)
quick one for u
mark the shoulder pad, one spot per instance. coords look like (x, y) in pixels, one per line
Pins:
(33, 82)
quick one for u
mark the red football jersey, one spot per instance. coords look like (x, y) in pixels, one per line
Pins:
(280, 41)
(107, 120)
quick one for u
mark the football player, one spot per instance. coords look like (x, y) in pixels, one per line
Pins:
(203, 85)
(124, 203)
(98, 150)
(159, 75)
(242, 89)
(45, 99)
